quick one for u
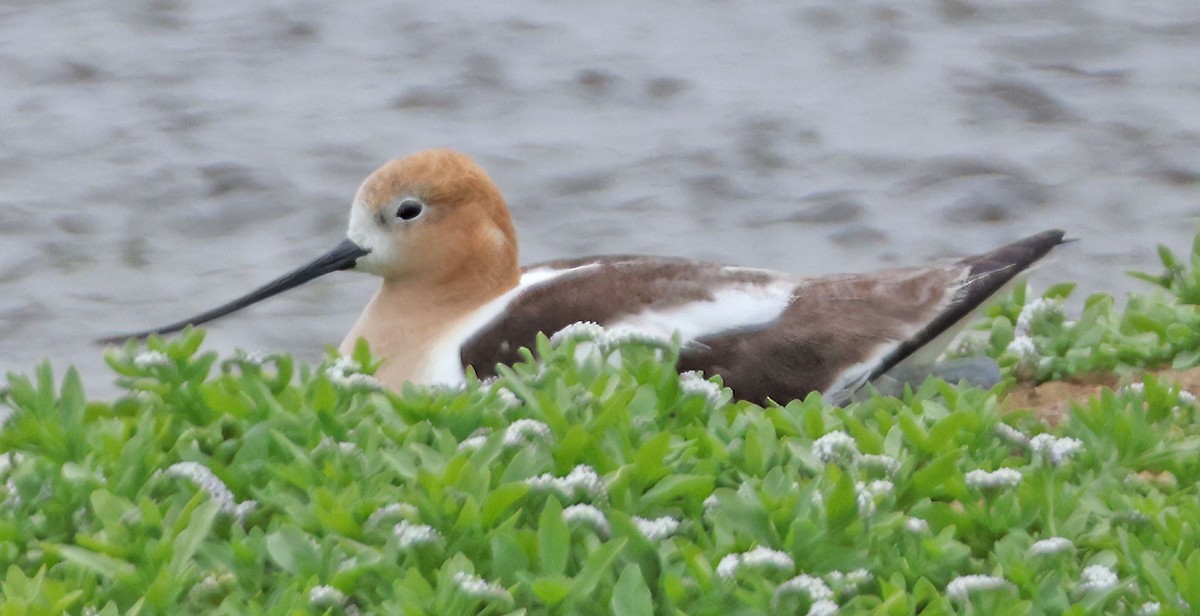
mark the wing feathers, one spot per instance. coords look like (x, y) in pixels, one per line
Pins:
(986, 275)
(768, 335)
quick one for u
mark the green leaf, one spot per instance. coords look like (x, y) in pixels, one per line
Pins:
(630, 596)
(293, 551)
(101, 564)
(528, 462)
(193, 337)
(554, 539)
(551, 590)
(188, 541)
(109, 509)
(1061, 290)
(506, 549)
(694, 487)
(500, 500)
(597, 565)
(933, 475)
(1167, 257)
(17, 585)
(842, 506)
(649, 457)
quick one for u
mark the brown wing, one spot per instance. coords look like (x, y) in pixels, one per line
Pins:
(843, 331)
(838, 327)
(606, 289)
(837, 333)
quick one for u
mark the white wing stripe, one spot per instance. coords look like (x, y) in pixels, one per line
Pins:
(733, 307)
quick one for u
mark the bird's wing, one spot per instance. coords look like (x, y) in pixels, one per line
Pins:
(769, 335)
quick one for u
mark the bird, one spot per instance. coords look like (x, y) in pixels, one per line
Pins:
(435, 228)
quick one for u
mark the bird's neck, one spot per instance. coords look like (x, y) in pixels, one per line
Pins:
(413, 324)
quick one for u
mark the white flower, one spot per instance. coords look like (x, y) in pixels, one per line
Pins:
(587, 514)
(392, 511)
(729, 565)
(147, 359)
(507, 397)
(814, 587)
(658, 528)
(766, 557)
(325, 597)
(866, 493)
(641, 421)
(1053, 545)
(581, 478)
(1097, 578)
(478, 588)
(523, 431)
(1057, 450)
(9, 460)
(999, 478)
(446, 388)
(409, 535)
(1034, 309)
(475, 441)
(758, 557)
(823, 607)
(204, 479)
(343, 372)
(14, 495)
(710, 502)
(617, 337)
(244, 509)
(692, 384)
(583, 330)
(1023, 348)
(345, 364)
(213, 584)
(1011, 434)
(960, 587)
(836, 447)
(345, 448)
(1186, 397)
(1134, 388)
(916, 526)
(1042, 443)
(1149, 609)
(888, 464)
(355, 381)
(853, 578)
(967, 346)
(209, 582)
(879, 486)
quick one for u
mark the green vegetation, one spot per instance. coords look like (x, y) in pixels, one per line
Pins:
(597, 480)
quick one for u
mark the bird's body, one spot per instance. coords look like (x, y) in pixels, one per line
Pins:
(437, 230)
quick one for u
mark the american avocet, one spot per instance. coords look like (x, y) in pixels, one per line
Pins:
(436, 229)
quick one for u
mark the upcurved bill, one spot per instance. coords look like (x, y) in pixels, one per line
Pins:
(344, 256)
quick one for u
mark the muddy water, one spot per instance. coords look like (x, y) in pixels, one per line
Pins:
(161, 156)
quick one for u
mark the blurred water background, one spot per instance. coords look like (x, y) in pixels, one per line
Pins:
(158, 157)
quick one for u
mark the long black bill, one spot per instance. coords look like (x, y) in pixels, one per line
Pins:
(344, 256)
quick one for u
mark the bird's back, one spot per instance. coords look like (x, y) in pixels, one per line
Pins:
(768, 334)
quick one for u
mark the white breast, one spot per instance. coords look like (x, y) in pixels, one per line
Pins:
(444, 361)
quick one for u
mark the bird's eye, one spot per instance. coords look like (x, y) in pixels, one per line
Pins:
(409, 209)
